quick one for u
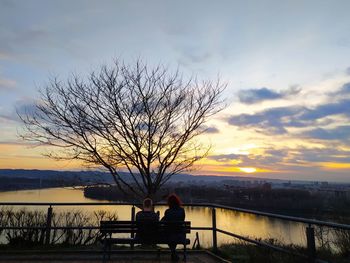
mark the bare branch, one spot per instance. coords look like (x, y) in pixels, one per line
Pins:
(140, 119)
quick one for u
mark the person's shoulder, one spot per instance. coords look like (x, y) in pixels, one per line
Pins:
(150, 214)
(139, 215)
(147, 216)
(181, 212)
(167, 211)
(153, 213)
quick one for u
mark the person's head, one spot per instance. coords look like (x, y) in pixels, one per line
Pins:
(174, 201)
(148, 204)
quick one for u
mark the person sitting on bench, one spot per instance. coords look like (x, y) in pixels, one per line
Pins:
(147, 214)
(174, 213)
(146, 230)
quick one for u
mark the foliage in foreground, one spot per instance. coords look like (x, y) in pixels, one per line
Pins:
(243, 252)
(10, 217)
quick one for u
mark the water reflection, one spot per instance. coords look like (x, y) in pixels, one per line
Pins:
(240, 223)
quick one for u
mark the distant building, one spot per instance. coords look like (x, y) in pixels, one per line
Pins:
(266, 186)
(324, 184)
(288, 184)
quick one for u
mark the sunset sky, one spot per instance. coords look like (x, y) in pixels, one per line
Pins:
(286, 64)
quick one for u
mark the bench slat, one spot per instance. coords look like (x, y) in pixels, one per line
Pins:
(132, 226)
(136, 241)
(146, 233)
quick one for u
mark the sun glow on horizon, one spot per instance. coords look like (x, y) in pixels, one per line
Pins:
(247, 169)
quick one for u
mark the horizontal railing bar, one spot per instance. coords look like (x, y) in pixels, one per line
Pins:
(209, 205)
(284, 217)
(68, 204)
(201, 228)
(52, 228)
(74, 227)
(260, 243)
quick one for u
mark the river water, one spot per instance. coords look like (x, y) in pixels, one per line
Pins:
(235, 222)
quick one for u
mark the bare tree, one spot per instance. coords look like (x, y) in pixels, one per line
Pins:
(135, 118)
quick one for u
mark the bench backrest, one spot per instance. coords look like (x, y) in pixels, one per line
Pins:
(109, 227)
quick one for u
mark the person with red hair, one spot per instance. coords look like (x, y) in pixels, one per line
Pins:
(174, 213)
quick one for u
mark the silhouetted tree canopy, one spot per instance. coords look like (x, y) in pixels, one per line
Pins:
(137, 118)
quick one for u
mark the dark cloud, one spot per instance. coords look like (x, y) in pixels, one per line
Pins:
(25, 108)
(267, 159)
(344, 90)
(323, 155)
(288, 159)
(211, 130)
(225, 157)
(192, 55)
(257, 95)
(22, 108)
(347, 71)
(251, 96)
(327, 109)
(278, 120)
(338, 133)
(270, 121)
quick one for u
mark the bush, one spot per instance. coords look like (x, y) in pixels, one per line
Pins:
(31, 220)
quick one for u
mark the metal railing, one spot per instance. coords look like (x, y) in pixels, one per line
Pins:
(310, 233)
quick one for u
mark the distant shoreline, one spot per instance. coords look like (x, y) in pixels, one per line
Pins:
(291, 202)
(8, 183)
(36, 188)
(101, 176)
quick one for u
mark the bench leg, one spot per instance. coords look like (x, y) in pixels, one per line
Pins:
(185, 250)
(104, 251)
(109, 250)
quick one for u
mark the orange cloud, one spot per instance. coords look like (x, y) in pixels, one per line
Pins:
(17, 156)
(336, 165)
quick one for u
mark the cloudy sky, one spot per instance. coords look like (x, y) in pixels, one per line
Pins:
(286, 64)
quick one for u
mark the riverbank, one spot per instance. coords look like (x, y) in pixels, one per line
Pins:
(21, 183)
(300, 203)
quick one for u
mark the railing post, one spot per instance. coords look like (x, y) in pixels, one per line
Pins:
(215, 242)
(48, 225)
(311, 246)
(133, 213)
(132, 235)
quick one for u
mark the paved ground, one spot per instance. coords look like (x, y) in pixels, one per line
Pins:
(91, 257)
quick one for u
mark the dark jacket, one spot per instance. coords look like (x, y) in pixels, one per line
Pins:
(174, 233)
(148, 216)
(146, 229)
(174, 214)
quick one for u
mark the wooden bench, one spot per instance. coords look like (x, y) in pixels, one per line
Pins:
(144, 233)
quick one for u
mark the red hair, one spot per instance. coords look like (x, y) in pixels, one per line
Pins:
(174, 201)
